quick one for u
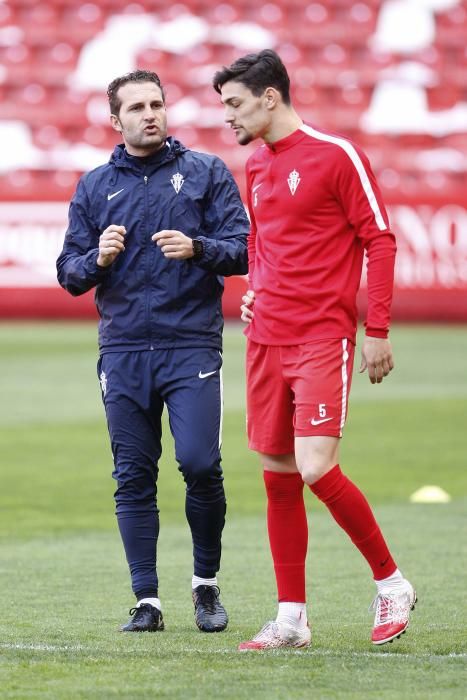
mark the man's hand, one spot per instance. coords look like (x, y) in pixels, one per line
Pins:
(376, 358)
(174, 244)
(111, 244)
(247, 306)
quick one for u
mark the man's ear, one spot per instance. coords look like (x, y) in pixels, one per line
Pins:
(115, 122)
(271, 96)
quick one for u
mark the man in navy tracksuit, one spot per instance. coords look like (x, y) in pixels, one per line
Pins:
(154, 231)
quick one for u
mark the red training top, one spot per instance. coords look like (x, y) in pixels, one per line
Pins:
(315, 207)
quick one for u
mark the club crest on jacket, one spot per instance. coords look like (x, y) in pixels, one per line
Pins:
(177, 182)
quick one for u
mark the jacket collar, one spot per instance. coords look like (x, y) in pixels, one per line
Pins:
(121, 159)
(287, 142)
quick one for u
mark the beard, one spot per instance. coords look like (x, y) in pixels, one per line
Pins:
(155, 140)
(243, 137)
(138, 143)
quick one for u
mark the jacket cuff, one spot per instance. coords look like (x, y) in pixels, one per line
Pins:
(209, 251)
(92, 268)
(376, 332)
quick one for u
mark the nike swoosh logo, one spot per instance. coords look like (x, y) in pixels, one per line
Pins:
(203, 375)
(318, 422)
(111, 196)
(256, 187)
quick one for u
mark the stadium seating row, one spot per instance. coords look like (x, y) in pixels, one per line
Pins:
(336, 76)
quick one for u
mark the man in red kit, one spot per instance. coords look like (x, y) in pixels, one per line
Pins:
(315, 207)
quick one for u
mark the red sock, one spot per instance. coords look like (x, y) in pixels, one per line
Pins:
(350, 509)
(288, 533)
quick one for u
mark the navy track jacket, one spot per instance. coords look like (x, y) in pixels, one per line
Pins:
(146, 301)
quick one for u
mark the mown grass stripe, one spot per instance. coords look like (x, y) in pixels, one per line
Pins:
(194, 650)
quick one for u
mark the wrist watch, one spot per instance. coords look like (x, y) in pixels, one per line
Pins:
(198, 248)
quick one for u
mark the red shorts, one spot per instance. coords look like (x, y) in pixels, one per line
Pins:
(296, 391)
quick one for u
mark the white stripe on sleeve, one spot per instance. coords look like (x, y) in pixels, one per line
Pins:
(360, 168)
(345, 357)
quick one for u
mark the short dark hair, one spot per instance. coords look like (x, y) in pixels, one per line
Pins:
(136, 76)
(257, 71)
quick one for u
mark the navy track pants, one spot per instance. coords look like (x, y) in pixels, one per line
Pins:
(135, 387)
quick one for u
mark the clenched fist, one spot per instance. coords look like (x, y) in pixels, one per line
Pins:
(111, 244)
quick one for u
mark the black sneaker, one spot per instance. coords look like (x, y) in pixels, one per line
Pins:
(210, 614)
(146, 618)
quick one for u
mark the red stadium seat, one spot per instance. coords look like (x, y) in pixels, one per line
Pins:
(444, 96)
(8, 16)
(451, 27)
(222, 13)
(18, 63)
(40, 23)
(82, 22)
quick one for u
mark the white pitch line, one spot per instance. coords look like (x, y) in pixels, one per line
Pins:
(190, 650)
(43, 647)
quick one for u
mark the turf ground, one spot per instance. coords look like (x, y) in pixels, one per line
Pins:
(63, 579)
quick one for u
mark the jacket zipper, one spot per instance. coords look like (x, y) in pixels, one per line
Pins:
(148, 264)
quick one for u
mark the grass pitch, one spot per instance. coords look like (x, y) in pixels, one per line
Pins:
(63, 578)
